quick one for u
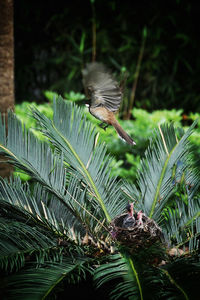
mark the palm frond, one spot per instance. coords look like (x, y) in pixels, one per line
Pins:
(38, 283)
(74, 137)
(181, 220)
(156, 179)
(29, 227)
(24, 150)
(121, 275)
(183, 273)
(154, 282)
(75, 192)
(182, 224)
(32, 204)
(22, 237)
(90, 166)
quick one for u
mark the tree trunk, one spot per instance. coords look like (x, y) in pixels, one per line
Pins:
(6, 65)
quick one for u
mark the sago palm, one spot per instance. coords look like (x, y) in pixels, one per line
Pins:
(57, 230)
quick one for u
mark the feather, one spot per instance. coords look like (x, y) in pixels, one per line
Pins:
(101, 87)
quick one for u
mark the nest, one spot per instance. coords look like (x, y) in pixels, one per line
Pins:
(137, 236)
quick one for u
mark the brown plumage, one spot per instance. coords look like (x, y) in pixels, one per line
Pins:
(106, 96)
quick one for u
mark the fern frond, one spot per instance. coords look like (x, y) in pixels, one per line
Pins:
(74, 137)
(182, 224)
(38, 283)
(156, 179)
(22, 236)
(183, 274)
(24, 150)
(32, 204)
(29, 227)
(119, 269)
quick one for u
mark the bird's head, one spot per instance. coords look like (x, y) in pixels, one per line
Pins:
(129, 207)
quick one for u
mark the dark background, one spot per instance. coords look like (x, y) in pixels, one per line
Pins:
(48, 35)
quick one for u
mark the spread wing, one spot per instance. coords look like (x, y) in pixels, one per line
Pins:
(101, 87)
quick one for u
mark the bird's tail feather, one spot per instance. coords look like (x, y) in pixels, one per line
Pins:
(122, 134)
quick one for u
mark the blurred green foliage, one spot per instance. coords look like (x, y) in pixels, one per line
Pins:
(72, 96)
(126, 161)
(50, 51)
(154, 45)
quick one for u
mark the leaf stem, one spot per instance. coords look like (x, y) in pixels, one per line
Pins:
(169, 154)
(162, 173)
(159, 184)
(176, 284)
(86, 172)
(161, 133)
(136, 276)
(53, 286)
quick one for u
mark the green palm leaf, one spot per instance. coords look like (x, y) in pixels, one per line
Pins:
(181, 224)
(29, 203)
(152, 282)
(74, 137)
(156, 179)
(184, 274)
(117, 268)
(37, 283)
(36, 158)
(75, 192)
(30, 227)
(23, 236)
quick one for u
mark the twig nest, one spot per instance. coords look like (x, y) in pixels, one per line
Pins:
(140, 233)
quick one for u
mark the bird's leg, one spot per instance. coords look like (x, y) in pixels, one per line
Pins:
(103, 125)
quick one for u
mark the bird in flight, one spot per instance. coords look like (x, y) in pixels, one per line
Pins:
(105, 97)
